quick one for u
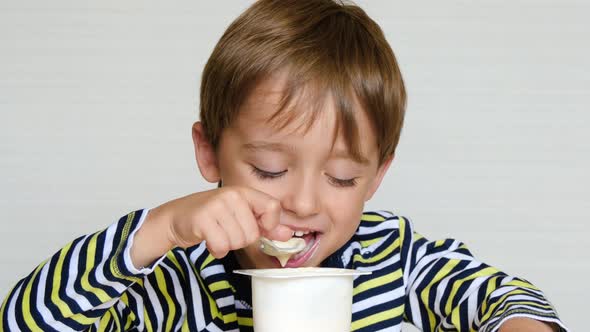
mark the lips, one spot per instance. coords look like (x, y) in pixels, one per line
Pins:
(312, 240)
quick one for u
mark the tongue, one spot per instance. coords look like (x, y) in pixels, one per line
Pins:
(307, 238)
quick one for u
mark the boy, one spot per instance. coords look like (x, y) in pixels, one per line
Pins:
(302, 104)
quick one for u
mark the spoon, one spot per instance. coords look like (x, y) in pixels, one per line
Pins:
(282, 250)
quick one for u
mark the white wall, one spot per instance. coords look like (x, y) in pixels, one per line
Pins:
(97, 100)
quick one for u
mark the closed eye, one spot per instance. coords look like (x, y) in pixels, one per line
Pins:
(266, 175)
(342, 182)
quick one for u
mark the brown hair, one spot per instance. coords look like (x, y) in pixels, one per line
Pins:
(326, 47)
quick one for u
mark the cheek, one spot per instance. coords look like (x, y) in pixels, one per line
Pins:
(345, 212)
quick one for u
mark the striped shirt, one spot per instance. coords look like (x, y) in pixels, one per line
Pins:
(92, 285)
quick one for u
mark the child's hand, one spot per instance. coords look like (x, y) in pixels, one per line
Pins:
(227, 218)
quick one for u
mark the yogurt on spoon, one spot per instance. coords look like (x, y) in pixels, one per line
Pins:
(282, 250)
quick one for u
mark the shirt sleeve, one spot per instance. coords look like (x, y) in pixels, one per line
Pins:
(448, 289)
(82, 285)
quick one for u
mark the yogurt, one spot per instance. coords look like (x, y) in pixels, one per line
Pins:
(302, 299)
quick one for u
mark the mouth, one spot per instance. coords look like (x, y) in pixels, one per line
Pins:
(312, 241)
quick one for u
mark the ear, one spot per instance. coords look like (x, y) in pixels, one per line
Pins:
(378, 178)
(205, 154)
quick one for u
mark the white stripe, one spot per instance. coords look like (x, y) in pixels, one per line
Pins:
(348, 254)
(106, 305)
(195, 297)
(385, 214)
(409, 232)
(523, 297)
(155, 304)
(74, 274)
(501, 291)
(127, 250)
(472, 304)
(213, 270)
(504, 319)
(388, 224)
(241, 305)
(43, 310)
(443, 285)
(416, 317)
(178, 294)
(139, 309)
(426, 259)
(225, 301)
(383, 264)
(378, 299)
(106, 254)
(396, 328)
(11, 314)
(212, 327)
(198, 251)
(413, 296)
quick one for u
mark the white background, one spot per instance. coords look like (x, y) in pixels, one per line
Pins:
(97, 100)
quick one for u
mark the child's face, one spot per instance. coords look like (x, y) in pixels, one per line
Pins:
(320, 187)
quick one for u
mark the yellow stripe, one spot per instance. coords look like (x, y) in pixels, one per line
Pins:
(146, 318)
(376, 318)
(90, 265)
(219, 285)
(245, 321)
(402, 227)
(443, 272)
(528, 303)
(104, 321)
(379, 256)
(5, 304)
(64, 309)
(124, 235)
(172, 258)
(370, 217)
(456, 285)
(208, 260)
(368, 243)
(523, 284)
(230, 318)
(489, 289)
(212, 304)
(376, 282)
(116, 318)
(164, 291)
(131, 317)
(499, 302)
(184, 327)
(26, 306)
(439, 243)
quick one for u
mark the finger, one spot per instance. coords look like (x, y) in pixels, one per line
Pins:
(267, 209)
(233, 230)
(279, 233)
(216, 239)
(247, 221)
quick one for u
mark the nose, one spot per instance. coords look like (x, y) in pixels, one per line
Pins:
(302, 199)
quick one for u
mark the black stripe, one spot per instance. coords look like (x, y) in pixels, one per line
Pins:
(73, 305)
(51, 306)
(171, 291)
(81, 263)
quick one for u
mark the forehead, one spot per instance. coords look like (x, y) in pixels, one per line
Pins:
(309, 112)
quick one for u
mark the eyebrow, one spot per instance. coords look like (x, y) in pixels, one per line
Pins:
(268, 146)
(360, 159)
(280, 147)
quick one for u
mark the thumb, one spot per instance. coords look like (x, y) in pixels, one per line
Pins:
(279, 233)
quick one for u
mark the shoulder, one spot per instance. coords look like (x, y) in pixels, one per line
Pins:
(380, 235)
(375, 225)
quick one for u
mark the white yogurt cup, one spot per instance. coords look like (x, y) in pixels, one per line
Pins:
(302, 299)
